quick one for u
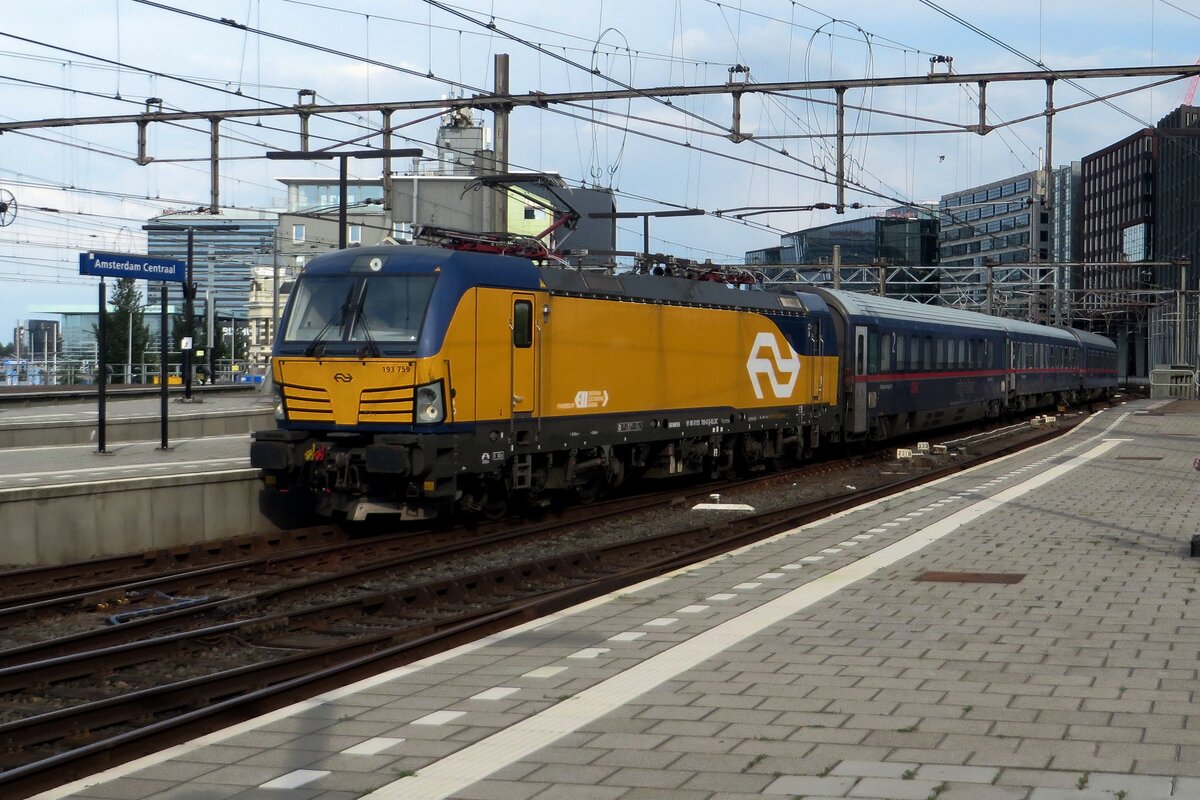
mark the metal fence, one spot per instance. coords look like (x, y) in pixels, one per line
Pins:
(1173, 383)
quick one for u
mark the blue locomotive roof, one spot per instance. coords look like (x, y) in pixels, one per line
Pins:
(482, 269)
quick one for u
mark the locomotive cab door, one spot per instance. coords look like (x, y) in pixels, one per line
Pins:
(859, 419)
(524, 355)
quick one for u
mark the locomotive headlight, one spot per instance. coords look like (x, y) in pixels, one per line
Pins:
(430, 407)
(280, 406)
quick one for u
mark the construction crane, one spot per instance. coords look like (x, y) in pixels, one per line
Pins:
(1191, 92)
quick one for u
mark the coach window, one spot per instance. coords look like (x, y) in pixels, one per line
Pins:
(522, 323)
(885, 355)
(927, 358)
(941, 354)
(873, 353)
(901, 364)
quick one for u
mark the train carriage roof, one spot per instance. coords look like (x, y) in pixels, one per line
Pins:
(1092, 339)
(858, 306)
(1018, 328)
(855, 305)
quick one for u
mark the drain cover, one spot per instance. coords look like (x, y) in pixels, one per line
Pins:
(972, 577)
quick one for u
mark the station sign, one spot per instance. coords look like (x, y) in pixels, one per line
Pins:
(129, 265)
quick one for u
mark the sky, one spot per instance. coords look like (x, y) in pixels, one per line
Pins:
(79, 188)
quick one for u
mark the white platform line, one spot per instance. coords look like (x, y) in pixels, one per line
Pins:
(49, 448)
(83, 472)
(475, 762)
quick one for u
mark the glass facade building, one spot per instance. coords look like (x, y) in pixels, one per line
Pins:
(223, 259)
(1001, 222)
(900, 240)
(1177, 196)
(1117, 216)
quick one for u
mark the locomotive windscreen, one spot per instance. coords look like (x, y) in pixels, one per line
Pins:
(357, 308)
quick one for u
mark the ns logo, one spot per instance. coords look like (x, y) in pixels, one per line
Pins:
(767, 361)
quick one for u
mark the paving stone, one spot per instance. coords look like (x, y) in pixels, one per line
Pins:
(892, 788)
(957, 774)
(657, 778)
(872, 769)
(808, 785)
(580, 793)
(971, 791)
(128, 789)
(1070, 794)
(1136, 786)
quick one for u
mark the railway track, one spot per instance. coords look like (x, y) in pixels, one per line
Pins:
(115, 695)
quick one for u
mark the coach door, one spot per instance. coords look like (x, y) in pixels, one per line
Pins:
(859, 420)
(524, 354)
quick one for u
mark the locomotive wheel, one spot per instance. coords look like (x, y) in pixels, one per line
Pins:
(592, 488)
(495, 502)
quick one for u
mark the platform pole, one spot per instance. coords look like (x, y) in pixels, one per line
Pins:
(101, 367)
(162, 369)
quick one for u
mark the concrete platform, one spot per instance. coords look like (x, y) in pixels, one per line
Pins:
(61, 500)
(53, 421)
(813, 665)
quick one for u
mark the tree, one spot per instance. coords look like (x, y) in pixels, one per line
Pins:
(130, 310)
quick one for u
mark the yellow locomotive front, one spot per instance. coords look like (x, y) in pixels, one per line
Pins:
(376, 384)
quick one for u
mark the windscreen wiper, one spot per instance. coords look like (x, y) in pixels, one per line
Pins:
(318, 341)
(360, 319)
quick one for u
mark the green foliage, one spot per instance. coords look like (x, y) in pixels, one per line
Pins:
(127, 336)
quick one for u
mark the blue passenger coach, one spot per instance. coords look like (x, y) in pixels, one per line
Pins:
(910, 367)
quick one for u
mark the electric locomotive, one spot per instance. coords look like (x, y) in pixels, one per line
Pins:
(411, 380)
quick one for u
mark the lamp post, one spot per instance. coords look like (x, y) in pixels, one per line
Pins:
(320, 155)
(189, 296)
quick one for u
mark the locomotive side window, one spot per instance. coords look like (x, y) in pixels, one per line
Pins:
(522, 324)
